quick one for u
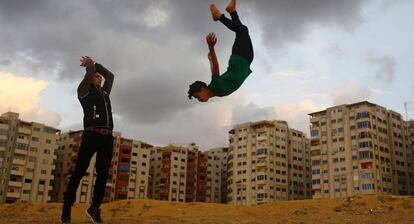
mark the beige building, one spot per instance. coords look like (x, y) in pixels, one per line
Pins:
(178, 174)
(360, 148)
(67, 154)
(128, 174)
(27, 151)
(216, 191)
(267, 161)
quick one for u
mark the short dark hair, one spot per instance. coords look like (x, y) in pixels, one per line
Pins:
(196, 87)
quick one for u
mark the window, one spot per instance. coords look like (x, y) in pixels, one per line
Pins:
(314, 172)
(316, 181)
(314, 133)
(364, 124)
(35, 139)
(368, 186)
(367, 175)
(362, 115)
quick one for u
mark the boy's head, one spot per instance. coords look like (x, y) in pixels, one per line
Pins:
(97, 79)
(199, 90)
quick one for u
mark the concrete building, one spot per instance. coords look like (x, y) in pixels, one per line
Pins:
(216, 191)
(67, 155)
(128, 174)
(358, 149)
(178, 174)
(267, 161)
(27, 151)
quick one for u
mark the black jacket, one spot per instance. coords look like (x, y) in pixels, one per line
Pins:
(97, 111)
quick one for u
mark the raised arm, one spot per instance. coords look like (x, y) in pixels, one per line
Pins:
(212, 57)
(83, 87)
(109, 77)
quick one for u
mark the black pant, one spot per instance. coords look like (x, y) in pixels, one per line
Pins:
(242, 45)
(91, 142)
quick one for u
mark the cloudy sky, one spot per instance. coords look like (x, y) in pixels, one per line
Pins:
(309, 55)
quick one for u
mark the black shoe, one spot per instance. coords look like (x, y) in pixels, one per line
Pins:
(65, 217)
(95, 215)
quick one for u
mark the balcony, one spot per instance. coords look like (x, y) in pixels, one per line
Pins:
(20, 152)
(164, 193)
(15, 184)
(261, 164)
(2, 148)
(22, 141)
(166, 161)
(25, 131)
(13, 195)
(17, 172)
(165, 169)
(166, 153)
(189, 196)
(203, 174)
(191, 156)
(19, 162)
(262, 138)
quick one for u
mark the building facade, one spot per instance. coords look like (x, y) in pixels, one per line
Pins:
(178, 174)
(359, 149)
(27, 151)
(267, 161)
(216, 189)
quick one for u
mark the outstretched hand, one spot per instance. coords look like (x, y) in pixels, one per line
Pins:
(211, 39)
(86, 61)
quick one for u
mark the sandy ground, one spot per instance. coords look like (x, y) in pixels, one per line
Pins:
(366, 209)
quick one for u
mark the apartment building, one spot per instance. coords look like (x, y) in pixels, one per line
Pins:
(27, 151)
(67, 155)
(267, 161)
(216, 191)
(178, 174)
(128, 173)
(359, 149)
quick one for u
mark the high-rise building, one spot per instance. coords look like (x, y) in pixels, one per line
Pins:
(216, 191)
(27, 151)
(360, 148)
(128, 173)
(267, 161)
(178, 174)
(67, 154)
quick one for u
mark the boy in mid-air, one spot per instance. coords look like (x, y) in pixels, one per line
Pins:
(239, 64)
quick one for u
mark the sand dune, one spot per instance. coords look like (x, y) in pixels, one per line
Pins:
(364, 209)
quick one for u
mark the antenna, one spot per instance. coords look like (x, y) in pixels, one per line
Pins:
(405, 108)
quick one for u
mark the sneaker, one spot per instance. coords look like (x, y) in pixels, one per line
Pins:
(95, 215)
(65, 217)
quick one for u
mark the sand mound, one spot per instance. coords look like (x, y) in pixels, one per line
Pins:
(360, 209)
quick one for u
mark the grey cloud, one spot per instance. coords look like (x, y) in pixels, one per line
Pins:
(350, 92)
(289, 21)
(385, 67)
(5, 62)
(252, 112)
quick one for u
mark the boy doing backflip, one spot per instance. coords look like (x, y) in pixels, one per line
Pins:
(239, 64)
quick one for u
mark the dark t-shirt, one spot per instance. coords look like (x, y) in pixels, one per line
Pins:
(237, 71)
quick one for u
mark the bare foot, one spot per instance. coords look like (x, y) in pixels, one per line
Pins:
(231, 7)
(215, 12)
